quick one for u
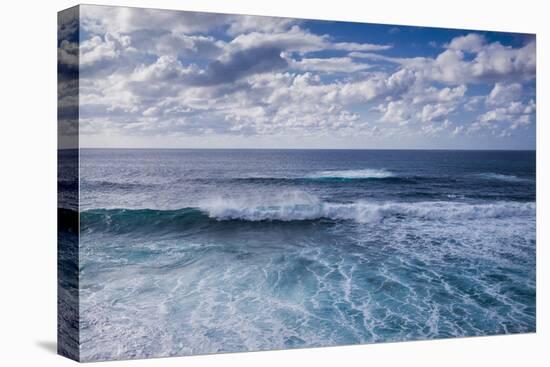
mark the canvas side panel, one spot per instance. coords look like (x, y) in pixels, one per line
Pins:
(67, 183)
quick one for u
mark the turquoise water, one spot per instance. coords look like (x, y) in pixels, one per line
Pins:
(203, 251)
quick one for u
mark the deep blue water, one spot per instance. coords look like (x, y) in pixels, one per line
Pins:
(202, 251)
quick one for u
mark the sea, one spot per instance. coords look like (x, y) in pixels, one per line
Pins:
(204, 251)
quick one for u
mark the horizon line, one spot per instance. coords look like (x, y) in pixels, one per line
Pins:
(418, 149)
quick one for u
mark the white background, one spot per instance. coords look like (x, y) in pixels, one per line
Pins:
(28, 181)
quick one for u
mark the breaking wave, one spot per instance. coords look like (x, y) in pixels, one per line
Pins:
(502, 177)
(295, 206)
(308, 207)
(368, 173)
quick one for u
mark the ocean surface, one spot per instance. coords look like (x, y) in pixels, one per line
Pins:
(203, 251)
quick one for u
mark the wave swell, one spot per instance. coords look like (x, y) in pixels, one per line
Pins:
(502, 177)
(368, 173)
(363, 211)
(295, 207)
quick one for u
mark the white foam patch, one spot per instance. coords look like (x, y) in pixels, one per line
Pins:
(501, 177)
(284, 206)
(298, 205)
(354, 174)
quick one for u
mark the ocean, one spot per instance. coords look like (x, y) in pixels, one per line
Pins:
(202, 251)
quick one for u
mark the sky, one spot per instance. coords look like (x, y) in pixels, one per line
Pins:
(173, 79)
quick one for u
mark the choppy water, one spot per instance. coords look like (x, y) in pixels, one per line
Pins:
(202, 251)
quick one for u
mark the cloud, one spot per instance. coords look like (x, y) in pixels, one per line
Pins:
(299, 40)
(507, 108)
(503, 94)
(329, 65)
(97, 49)
(354, 46)
(189, 74)
(472, 42)
(67, 53)
(506, 115)
(165, 69)
(436, 129)
(437, 111)
(497, 62)
(457, 130)
(246, 23)
(516, 112)
(102, 19)
(377, 86)
(240, 64)
(421, 104)
(491, 62)
(185, 45)
(473, 103)
(433, 94)
(396, 112)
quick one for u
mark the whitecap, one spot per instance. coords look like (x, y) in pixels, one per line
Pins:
(501, 177)
(354, 174)
(299, 205)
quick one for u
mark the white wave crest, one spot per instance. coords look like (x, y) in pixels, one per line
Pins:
(501, 177)
(354, 174)
(296, 206)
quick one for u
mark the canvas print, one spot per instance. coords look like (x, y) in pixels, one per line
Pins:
(234, 183)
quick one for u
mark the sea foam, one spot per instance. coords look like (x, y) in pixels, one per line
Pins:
(293, 206)
(501, 177)
(354, 174)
